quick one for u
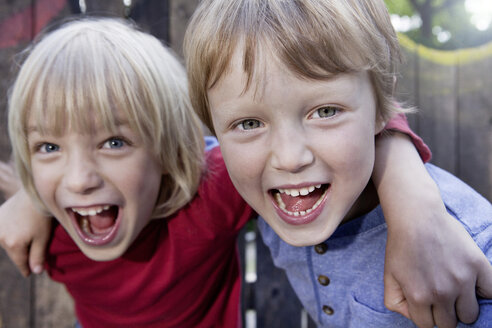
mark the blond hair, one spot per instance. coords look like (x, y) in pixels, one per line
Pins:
(87, 69)
(315, 39)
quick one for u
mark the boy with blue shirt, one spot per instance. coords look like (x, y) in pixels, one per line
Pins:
(296, 95)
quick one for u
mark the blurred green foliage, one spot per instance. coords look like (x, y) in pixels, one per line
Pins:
(448, 15)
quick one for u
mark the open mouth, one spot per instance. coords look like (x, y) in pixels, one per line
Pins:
(297, 204)
(96, 225)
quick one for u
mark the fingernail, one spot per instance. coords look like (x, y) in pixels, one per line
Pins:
(37, 269)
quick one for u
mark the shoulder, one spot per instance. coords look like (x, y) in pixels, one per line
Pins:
(472, 209)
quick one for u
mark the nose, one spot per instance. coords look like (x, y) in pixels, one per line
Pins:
(290, 151)
(81, 174)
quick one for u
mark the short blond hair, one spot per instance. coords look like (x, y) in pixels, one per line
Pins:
(315, 39)
(88, 68)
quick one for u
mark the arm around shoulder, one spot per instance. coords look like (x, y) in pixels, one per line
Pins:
(25, 233)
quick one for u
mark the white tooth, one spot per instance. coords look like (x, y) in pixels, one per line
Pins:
(318, 186)
(280, 202)
(99, 210)
(83, 212)
(310, 210)
(287, 192)
(304, 191)
(92, 212)
(106, 207)
(311, 189)
(294, 193)
(303, 212)
(296, 213)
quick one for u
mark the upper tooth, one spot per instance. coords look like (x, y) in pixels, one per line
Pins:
(302, 191)
(91, 211)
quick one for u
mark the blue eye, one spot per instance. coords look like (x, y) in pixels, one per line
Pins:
(48, 148)
(114, 143)
(249, 124)
(326, 111)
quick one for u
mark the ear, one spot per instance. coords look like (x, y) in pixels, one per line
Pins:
(380, 124)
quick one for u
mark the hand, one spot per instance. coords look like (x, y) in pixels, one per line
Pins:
(431, 272)
(9, 183)
(25, 233)
(433, 268)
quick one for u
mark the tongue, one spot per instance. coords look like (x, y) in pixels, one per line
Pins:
(102, 221)
(301, 203)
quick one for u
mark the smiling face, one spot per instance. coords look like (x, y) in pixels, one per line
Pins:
(102, 187)
(299, 151)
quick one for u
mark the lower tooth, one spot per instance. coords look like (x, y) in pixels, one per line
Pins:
(301, 213)
(85, 225)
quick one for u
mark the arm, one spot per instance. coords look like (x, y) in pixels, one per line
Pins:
(25, 233)
(432, 265)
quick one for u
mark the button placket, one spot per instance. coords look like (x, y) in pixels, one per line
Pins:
(322, 279)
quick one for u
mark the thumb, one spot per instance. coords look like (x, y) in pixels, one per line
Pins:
(484, 280)
(394, 299)
(37, 254)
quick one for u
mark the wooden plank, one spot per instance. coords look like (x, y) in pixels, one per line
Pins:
(105, 8)
(9, 46)
(475, 125)
(53, 306)
(153, 17)
(15, 295)
(438, 112)
(180, 13)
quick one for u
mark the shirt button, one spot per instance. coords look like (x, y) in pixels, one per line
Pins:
(328, 310)
(321, 248)
(323, 280)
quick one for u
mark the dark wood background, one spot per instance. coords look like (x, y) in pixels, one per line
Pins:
(453, 91)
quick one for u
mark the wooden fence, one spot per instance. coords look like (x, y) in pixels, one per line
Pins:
(453, 91)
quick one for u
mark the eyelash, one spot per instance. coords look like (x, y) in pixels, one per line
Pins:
(240, 125)
(335, 110)
(41, 147)
(120, 139)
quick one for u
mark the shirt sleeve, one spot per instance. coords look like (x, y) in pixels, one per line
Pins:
(399, 123)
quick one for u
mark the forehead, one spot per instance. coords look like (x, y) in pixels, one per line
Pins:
(272, 79)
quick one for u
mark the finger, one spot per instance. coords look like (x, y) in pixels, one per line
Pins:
(467, 305)
(421, 315)
(444, 315)
(18, 255)
(484, 279)
(37, 255)
(394, 298)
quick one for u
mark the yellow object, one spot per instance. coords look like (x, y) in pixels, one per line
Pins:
(447, 57)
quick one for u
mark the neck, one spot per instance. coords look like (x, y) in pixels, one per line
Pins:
(366, 202)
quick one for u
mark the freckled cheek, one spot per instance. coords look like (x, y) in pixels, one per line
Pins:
(243, 163)
(350, 153)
